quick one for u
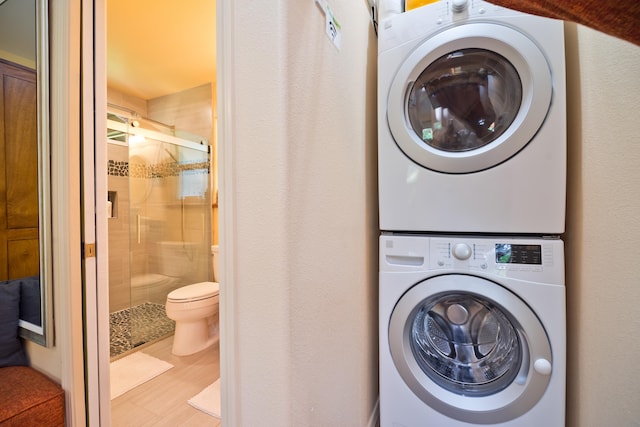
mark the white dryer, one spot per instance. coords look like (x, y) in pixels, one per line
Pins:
(472, 331)
(472, 121)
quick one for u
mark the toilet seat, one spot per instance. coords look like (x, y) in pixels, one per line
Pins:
(195, 292)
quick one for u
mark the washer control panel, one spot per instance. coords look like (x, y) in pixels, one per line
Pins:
(536, 259)
(491, 254)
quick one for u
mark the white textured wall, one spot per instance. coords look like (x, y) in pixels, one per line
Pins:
(603, 230)
(332, 215)
(305, 222)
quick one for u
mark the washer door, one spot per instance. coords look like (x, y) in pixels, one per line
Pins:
(469, 98)
(470, 349)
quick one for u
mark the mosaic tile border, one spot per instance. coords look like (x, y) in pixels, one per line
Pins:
(115, 168)
(159, 170)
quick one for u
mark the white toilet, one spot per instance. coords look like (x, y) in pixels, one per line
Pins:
(194, 308)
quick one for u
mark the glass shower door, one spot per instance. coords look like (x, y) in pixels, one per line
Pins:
(169, 231)
(163, 211)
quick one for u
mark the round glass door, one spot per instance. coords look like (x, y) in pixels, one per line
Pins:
(470, 348)
(464, 100)
(469, 98)
(466, 344)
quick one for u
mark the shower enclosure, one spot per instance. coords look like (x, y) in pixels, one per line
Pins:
(159, 224)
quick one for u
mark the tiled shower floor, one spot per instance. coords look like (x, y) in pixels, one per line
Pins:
(132, 327)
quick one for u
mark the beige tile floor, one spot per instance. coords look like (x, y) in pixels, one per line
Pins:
(163, 400)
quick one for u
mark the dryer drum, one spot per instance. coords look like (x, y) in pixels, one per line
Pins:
(466, 344)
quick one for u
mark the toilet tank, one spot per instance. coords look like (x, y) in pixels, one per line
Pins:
(215, 258)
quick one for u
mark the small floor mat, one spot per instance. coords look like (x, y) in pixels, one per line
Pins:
(208, 400)
(134, 370)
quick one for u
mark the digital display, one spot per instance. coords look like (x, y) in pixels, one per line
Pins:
(518, 254)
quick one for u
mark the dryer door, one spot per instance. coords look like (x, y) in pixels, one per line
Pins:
(469, 98)
(470, 348)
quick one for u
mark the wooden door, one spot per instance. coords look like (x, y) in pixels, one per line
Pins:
(19, 248)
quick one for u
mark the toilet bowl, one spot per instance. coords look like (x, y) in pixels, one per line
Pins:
(194, 308)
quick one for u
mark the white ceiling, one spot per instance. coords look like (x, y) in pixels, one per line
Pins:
(156, 48)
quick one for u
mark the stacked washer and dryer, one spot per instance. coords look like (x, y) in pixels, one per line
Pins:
(472, 182)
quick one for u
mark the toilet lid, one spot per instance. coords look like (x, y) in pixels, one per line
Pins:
(196, 291)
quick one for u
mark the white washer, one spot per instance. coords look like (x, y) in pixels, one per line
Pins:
(472, 331)
(471, 120)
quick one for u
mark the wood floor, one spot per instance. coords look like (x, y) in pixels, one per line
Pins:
(163, 400)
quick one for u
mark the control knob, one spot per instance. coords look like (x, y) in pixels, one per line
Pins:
(458, 6)
(461, 251)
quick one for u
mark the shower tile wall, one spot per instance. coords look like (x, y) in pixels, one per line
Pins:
(146, 190)
(189, 110)
(192, 111)
(119, 272)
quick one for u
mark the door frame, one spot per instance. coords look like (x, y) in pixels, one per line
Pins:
(96, 281)
(94, 208)
(226, 84)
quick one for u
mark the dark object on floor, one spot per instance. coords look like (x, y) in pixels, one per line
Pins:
(30, 399)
